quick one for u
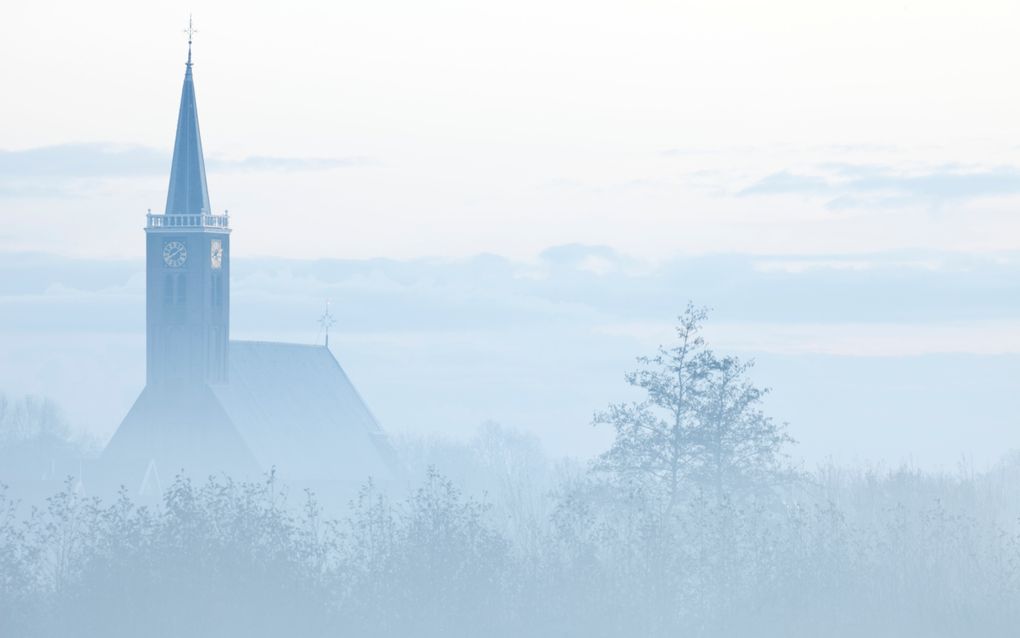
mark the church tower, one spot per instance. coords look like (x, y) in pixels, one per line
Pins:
(187, 268)
(211, 405)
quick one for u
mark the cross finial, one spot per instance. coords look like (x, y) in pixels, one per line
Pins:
(191, 31)
(326, 321)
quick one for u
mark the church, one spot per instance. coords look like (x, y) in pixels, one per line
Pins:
(216, 406)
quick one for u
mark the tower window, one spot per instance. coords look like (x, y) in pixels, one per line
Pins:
(168, 291)
(217, 291)
(182, 290)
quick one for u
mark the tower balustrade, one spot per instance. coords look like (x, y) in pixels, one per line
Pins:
(156, 220)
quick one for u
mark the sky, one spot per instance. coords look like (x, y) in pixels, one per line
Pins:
(858, 160)
(405, 129)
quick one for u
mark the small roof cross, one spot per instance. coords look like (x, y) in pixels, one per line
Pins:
(326, 321)
(191, 31)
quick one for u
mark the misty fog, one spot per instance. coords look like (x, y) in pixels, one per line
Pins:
(539, 318)
(696, 519)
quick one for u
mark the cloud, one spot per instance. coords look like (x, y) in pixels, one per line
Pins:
(266, 163)
(879, 304)
(872, 339)
(34, 189)
(573, 254)
(785, 182)
(40, 170)
(853, 185)
(82, 161)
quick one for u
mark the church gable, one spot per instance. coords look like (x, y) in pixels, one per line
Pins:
(179, 428)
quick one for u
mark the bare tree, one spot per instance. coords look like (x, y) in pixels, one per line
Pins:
(699, 426)
(737, 446)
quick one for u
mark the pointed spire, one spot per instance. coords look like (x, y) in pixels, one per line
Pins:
(188, 193)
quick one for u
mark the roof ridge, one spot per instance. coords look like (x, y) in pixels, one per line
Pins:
(278, 343)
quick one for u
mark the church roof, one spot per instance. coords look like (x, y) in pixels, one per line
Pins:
(286, 407)
(297, 410)
(188, 193)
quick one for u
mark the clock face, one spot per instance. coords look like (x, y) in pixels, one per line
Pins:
(174, 254)
(216, 253)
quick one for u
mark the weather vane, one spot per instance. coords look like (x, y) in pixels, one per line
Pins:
(190, 31)
(326, 321)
